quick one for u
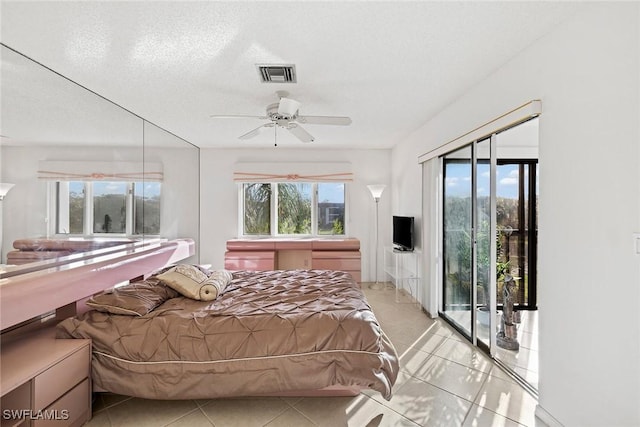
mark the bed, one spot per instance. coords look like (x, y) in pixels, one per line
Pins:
(287, 332)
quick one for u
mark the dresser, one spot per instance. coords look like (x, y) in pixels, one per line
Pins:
(291, 254)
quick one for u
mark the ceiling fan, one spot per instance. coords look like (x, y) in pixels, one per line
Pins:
(284, 114)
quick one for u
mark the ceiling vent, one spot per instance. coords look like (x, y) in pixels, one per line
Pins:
(277, 73)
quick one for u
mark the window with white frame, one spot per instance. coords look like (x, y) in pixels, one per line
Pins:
(292, 208)
(106, 207)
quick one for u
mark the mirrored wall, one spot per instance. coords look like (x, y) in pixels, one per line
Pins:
(85, 172)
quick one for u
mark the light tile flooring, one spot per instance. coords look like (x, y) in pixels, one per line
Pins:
(523, 361)
(443, 382)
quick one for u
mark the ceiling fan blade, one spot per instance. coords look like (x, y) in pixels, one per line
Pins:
(237, 116)
(300, 133)
(325, 120)
(288, 106)
(255, 131)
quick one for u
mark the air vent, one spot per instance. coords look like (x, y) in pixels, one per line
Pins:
(277, 73)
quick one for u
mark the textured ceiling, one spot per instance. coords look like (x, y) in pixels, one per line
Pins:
(390, 66)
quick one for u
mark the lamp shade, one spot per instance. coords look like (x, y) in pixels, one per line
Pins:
(376, 190)
(4, 189)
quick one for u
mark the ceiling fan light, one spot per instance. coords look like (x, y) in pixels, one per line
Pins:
(288, 107)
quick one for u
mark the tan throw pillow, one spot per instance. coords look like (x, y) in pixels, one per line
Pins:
(192, 283)
(215, 284)
(134, 299)
(184, 278)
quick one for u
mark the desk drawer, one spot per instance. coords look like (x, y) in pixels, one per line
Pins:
(61, 377)
(250, 260)
(344, 264)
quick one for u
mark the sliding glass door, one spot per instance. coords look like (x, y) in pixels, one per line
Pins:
(467, 243)
(489, 246)
(517, 198)
(458, 242)
(517, 195)
(485, 248)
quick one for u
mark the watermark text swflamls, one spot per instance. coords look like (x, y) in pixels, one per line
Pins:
(30, 414)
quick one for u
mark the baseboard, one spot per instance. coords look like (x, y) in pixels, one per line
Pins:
(546, 418)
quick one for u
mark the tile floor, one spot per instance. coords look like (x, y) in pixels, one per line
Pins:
(443, 382)
(524, 361)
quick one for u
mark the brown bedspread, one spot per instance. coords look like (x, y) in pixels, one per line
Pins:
(268, 332)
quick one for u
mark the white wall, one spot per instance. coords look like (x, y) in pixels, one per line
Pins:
(25, 207)
(405, 185)
(219, 196)
(587, 74)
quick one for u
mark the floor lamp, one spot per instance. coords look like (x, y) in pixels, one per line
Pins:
(376, 191)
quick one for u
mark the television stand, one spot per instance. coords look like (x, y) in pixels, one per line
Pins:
(403, 269)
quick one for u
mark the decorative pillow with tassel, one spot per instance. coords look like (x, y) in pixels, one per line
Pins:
(192, 283)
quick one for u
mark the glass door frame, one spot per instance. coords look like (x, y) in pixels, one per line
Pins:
(461, 325)
(472, 335)
(489, 348)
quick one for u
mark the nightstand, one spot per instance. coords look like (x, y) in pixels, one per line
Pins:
(45, 381)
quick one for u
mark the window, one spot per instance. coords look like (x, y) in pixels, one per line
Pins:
(75, 208)
(109, 207)
(146, 208)
(331, 208)
(257, 208)
(105, 207)
(293, 209)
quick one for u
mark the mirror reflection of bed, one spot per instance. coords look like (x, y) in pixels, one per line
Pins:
(30, 250)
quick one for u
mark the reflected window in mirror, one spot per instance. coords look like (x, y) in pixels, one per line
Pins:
(94, 208)
(109, 207)
(146, 208)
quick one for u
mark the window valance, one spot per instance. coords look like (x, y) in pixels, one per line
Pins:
(99, 171)
(293, 171)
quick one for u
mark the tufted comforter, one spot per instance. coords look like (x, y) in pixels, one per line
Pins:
(269, 332)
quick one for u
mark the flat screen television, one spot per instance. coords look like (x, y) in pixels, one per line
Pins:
(403, 233)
